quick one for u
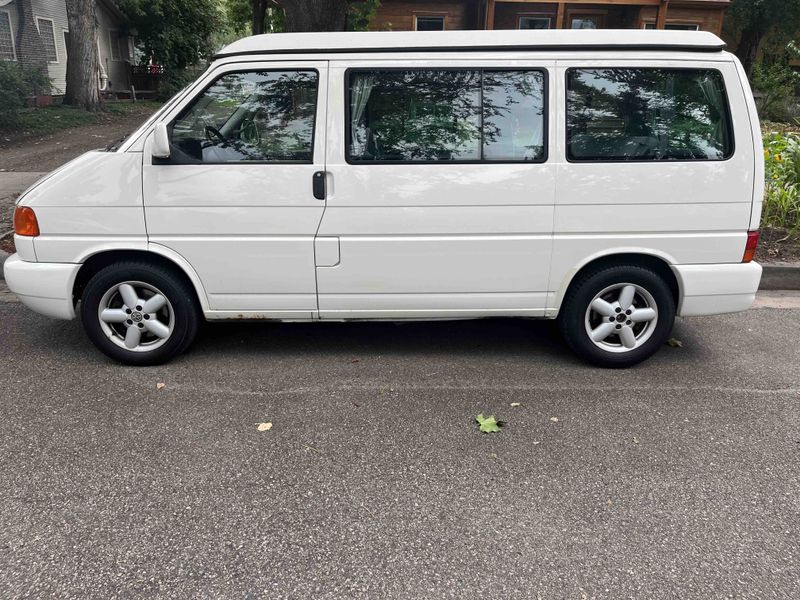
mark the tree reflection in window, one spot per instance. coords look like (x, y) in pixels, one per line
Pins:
(446, 115)
(265, 116)
(647, 115)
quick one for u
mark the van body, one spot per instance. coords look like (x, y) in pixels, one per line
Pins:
(609, 179)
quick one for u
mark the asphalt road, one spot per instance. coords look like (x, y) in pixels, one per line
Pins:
(680, 478)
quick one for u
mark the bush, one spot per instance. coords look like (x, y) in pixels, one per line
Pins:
(174, 83)
(782, 192)
(16, 84)
(774, 85)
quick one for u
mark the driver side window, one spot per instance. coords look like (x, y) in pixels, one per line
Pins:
(254, 116)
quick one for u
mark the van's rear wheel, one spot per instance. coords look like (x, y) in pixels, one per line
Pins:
(617, 316)
(138, 313)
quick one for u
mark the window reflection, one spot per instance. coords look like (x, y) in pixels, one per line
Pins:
(446, 115)
(255, 116)
(647, 114)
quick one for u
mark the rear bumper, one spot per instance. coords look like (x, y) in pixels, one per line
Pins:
(717, 289)
(43, 287)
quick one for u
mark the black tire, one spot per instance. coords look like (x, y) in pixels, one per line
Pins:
(572, 317)
(181, 297)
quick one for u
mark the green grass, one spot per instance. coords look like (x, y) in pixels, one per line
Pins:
(43, 121)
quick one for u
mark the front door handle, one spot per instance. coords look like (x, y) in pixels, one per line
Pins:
(318, 185)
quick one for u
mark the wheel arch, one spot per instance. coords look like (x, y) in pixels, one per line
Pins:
(661, 264)
(155, 254)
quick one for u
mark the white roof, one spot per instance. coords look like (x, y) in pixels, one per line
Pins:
(411, 41)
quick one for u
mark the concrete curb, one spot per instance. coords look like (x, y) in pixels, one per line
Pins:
(3, 257)
(779, 276)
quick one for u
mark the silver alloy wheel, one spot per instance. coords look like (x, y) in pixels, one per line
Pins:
(621, 317)
(136, 316)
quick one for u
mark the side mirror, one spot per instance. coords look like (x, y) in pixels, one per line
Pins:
(160, 147)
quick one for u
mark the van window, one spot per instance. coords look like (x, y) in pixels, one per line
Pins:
(459, 115)
(647, 115)
(263, 116)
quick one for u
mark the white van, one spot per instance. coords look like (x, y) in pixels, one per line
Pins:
(609, 179)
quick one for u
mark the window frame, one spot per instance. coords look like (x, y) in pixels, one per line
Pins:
(11, 33)
(538, 16)
(480, 161)
(647, 25)
(53, 31)
(196, 96)
(595, 161)
(429, 15)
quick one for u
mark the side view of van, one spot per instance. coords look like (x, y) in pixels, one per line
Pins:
(608, 179)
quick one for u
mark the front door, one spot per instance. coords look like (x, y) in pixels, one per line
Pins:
(235, 198)
(441, 193)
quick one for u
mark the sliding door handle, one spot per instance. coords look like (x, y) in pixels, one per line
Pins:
(318, 185)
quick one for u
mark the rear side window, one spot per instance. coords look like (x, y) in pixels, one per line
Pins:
(261, 116)
(456, 115)
(647, 115)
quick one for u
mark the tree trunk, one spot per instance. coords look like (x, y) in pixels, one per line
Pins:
(747, 50)
(30, 50)
(83, 80)
(315, 15)
(259, 16)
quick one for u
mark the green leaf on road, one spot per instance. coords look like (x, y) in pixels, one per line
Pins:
(488, 424)
(675, 343)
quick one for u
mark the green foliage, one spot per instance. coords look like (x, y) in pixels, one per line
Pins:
(488, 424)
(16, 84)
(361, 14)
(763, 15)
(782, 192)
(775, 86)
(50, 119)
(176, 33)
(238, 15)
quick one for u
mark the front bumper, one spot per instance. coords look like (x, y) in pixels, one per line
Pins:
(43, 287)
(717, 289)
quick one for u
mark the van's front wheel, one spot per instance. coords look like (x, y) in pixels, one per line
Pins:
(139, 314)
(617, 316)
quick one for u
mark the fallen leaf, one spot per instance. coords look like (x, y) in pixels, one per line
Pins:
(488, 424)
(535, 443)
(264, 426)
(355, 360)
(675, 343)
(554, 419)
(516, 404)
(161, 385)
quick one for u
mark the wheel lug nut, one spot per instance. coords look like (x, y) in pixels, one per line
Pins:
(129, 322)
(619, 326)
(618, 309)
(128, 310)
(627, 323)
(141, 325)
(147, 316)
(138, 308)
(627, 312)
(612, 319)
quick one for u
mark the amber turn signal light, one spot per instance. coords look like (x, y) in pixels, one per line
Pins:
(750, 247)
(25, 222)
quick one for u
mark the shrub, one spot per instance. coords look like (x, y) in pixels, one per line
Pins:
(774, 86)
(16, 84)
(782, 192)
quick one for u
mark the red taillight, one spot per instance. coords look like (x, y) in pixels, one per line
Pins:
(25, 222)
(752, 244)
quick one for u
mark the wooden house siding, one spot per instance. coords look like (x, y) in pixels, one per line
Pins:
(399, 15)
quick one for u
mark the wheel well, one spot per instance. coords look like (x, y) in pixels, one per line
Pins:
(95, 263)
(648, 261)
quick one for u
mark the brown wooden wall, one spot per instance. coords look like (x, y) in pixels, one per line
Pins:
(399, 15)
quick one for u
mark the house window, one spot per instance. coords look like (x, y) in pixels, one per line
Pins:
(586, 22)
(533, 23)
(114, 44)
(675, 26)
(454, 115)
(6, 37)
(429, 22)
(647, 115)
(48, 35)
